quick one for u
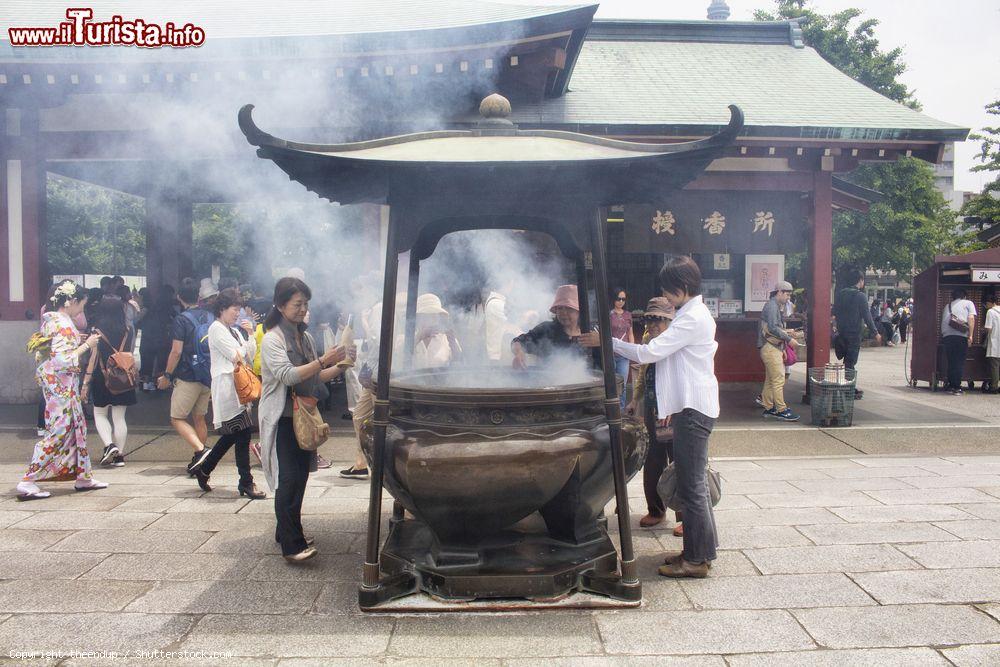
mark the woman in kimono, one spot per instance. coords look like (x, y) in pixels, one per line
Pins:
(61, 455)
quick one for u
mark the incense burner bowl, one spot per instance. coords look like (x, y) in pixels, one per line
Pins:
(472, 452)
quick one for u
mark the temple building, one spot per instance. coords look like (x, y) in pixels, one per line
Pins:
(161, 124)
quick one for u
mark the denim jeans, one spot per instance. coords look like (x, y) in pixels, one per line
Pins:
(621, 368)
(691, 432)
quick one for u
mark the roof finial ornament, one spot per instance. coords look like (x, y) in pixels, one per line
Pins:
(494, 106)
(718, 10)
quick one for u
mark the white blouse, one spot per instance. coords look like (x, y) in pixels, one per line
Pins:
(225, 349)
(684, 355)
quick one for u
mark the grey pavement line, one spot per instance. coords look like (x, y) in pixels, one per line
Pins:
(843, 442)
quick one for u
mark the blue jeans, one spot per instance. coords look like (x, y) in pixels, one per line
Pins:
(691, 431)
(621, 368)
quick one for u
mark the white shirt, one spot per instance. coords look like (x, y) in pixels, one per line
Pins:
(961, 309)
(224, 349)
(993, 324)
(496, 325)
(684, 355)
(432, 352)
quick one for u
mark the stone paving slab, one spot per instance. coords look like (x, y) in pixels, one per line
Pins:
(845, 499)
(950, 481)
(831, 558)
(900, 472)
(785, 516)
(289, 636)
(87, 520)
(782, 591)
(898, 626)
(958, 585)
(97, 632)
(881, 533)
(835, 486)
(947, 555)
(930, 496)
(554, 634)
(171, 567)
(748, 537)
(131, 541)
(883, 657)
(975, 529)
(992, 608)
(228, 597)
(46, 565)
(68, 596)
(30, 540)
(894, 513)
(746, 487)
(978, 655)
(989, 511)
(9, 518)
(694, 632)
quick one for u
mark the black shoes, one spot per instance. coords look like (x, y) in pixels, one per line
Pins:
(118, 461)
(354, 473)
(197, 459)
(110, 452)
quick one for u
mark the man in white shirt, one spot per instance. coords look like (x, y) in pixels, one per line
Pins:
(958, 323)
(992, 326)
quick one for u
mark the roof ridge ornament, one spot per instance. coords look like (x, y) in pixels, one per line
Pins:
(495, 111)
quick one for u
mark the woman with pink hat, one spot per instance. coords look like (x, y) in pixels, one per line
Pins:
(560, 333)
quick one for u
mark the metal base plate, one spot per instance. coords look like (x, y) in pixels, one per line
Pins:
(516, 569)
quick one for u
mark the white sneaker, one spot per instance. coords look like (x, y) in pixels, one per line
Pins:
(89, 485)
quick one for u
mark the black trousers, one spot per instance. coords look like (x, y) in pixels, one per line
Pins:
(242, 441)
(293, 475)
(955, 349)
(659, 454)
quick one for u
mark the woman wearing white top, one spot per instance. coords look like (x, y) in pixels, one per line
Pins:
(686, 391)
(231, 418)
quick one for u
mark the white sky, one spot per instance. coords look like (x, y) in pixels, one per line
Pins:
(951, 49)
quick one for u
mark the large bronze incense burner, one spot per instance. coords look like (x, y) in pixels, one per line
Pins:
(506, 475)
(470, 462)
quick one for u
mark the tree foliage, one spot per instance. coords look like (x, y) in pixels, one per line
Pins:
(984, 208)
(91, 229)
(914, 221)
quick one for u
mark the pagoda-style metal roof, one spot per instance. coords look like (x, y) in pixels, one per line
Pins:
(495, 160)
(673, 78)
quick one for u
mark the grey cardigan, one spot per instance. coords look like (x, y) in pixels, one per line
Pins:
(277, 375)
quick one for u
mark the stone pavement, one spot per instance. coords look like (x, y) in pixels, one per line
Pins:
(838, 560)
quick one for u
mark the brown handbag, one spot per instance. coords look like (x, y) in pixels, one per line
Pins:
(311, 430)
(248, 385)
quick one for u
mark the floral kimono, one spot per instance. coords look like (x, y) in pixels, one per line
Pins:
(62, 454)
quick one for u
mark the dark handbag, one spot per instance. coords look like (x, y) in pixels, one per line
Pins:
(240, 422)
(957, 324)
(666, 488)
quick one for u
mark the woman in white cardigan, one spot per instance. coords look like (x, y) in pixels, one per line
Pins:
(232, 419)
(289, 363)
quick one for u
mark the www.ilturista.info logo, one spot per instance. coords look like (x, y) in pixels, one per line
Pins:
(79, 30)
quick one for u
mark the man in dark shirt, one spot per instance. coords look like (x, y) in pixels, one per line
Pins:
(850, 310)
(190, 398)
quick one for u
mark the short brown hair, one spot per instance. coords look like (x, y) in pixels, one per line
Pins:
(681, 274)
(227, 298)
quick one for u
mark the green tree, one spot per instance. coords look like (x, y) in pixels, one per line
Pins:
(220, 240)
(91, 229)
(914, 220)
(984, 208)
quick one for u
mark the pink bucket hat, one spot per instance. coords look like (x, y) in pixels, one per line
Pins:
(567, 296)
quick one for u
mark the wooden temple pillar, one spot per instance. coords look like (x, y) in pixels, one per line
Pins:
(820, 272)
(169, 238)
(23, 264)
